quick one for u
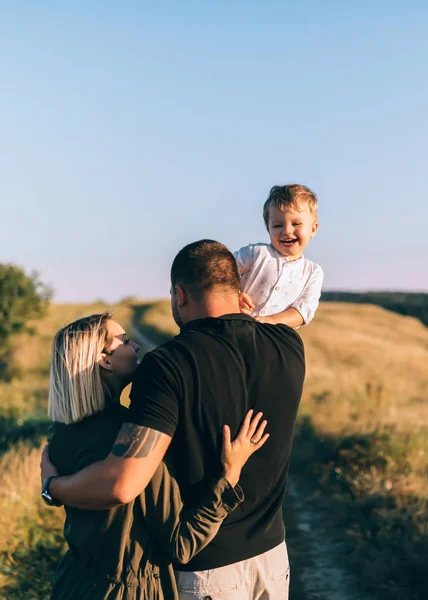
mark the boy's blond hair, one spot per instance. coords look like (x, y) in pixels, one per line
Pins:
(290, 196)
(77, 389)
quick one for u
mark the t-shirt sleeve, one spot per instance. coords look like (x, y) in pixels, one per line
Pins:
(308, 301)
(156, 393)
(244, 259)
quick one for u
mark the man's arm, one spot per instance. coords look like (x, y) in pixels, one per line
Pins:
(139, 446)
(117, 479)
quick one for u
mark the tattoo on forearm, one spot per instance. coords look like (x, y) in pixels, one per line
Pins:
(135, 441)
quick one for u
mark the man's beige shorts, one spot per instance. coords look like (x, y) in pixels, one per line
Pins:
(263, 577)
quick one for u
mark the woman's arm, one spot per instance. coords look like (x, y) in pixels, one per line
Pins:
(185, 532)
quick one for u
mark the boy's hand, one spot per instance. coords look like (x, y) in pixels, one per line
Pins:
(235, 454)
(245, 303)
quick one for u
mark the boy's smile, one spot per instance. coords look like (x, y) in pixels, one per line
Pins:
(290, 229)
(288, 243)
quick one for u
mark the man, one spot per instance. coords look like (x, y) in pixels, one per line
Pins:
(220, 365)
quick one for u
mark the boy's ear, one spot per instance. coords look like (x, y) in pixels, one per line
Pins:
(314, 228)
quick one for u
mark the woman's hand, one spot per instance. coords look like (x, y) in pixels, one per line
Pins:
(235, 454)
(46, 467)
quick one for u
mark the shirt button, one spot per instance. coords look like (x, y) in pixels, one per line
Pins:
(262, 312)
(277, 287)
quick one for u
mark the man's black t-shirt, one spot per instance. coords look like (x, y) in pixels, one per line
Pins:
(210, 375)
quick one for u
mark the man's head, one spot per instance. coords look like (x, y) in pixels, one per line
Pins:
(290, 215)
(204, 282)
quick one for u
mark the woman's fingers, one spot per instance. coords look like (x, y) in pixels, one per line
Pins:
(260, 443)
(245, 424)
(226, 438)
(253, 425)
(258, 434)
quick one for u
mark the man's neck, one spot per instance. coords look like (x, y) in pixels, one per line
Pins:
(215, 305)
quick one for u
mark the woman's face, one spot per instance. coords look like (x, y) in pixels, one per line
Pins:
(121, 359)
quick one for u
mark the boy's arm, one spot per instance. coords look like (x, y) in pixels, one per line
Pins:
(303, 309)
(290, 317)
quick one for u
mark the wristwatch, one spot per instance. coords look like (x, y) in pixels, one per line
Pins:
(46, 497)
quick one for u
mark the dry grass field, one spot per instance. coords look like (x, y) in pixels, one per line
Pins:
(362, 433)
(367, 371)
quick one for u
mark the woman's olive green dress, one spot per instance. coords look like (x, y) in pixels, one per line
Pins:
(125, 552)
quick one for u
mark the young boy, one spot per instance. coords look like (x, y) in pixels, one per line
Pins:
(278, 284)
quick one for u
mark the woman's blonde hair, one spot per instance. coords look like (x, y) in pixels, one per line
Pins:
(76, 387)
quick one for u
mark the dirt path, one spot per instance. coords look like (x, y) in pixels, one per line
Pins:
(315, 544)
(318, 552)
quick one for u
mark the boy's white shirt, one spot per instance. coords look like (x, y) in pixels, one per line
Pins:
(275, 283)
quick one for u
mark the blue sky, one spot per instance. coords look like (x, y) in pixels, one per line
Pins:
(130, 129)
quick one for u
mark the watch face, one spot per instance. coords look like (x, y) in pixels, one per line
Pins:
(46, 497)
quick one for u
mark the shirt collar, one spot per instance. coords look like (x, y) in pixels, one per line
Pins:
(284, 258)
(199, 323)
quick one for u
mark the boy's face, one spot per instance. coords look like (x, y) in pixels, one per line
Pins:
(290, 230)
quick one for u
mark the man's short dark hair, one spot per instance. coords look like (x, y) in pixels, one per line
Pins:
(204, 266)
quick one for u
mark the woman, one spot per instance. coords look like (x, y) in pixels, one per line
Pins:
(125, 552)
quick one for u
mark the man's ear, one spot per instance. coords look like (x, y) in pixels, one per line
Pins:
(104, 362)
(182, 295)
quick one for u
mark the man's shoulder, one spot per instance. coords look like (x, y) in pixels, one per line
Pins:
(282, 339)
(174, 349)
(199, 337)
(282, 331)
(165, 352)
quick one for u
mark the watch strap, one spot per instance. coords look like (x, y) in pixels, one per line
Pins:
(46, 495)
